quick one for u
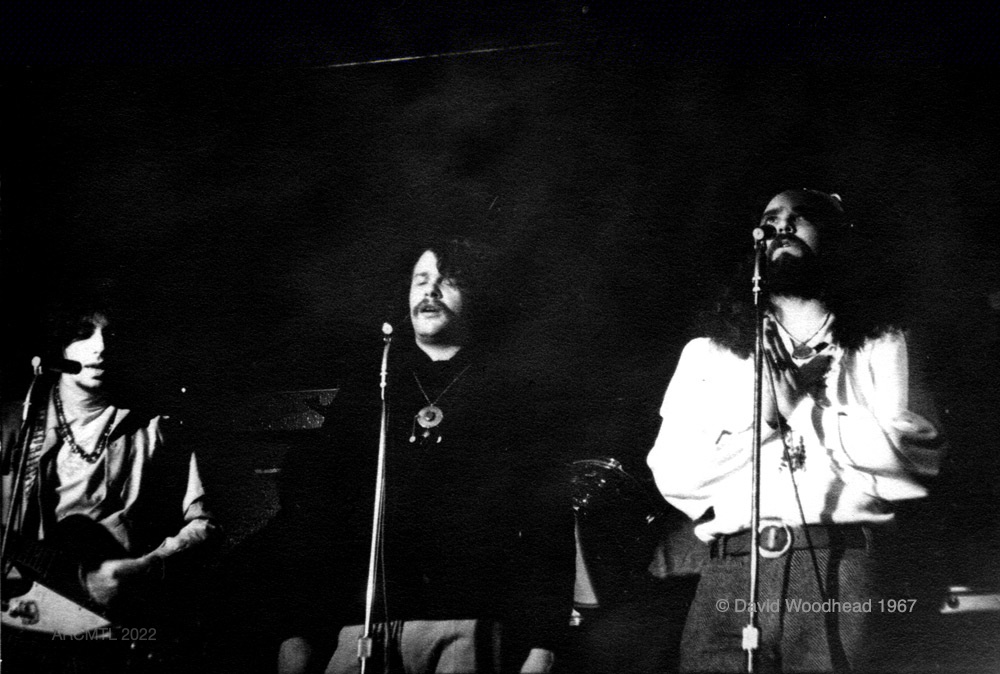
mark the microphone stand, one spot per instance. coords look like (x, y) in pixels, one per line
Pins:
(365, 641)
(751, 632)
(23, 442)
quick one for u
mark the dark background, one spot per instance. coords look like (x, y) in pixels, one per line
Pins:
(246, 182)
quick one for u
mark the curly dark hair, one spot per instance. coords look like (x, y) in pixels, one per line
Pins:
(847, 276)
(74, 314)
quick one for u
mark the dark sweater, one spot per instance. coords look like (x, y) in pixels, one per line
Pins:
(478, 524)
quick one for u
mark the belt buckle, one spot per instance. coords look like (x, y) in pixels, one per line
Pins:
(774, 538)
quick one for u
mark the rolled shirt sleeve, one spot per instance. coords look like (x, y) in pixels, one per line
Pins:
(198, 527)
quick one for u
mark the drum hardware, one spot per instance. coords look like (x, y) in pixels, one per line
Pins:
(615, 533)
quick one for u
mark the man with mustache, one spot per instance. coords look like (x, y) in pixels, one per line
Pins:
(477, 564)
(846, 433)
(88, 456)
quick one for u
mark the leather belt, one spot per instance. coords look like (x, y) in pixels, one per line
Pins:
(777, 538)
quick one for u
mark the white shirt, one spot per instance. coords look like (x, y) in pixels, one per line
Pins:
(862, 447)
(81, 486)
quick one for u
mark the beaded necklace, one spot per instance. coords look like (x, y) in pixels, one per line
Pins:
(66, 433)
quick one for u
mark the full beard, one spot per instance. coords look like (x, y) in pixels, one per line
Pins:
(794, 276)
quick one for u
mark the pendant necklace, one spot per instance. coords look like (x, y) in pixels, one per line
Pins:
(802, 350)
(430, 415)
(66, 433)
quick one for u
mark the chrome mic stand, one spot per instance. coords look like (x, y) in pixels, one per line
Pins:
(365, 641)
(23, 441)
(751, 632)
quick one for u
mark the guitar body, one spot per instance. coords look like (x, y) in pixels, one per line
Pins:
(50, 622)
(57, 603)
(43, 611)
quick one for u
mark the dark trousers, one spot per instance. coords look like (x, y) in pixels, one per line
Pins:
(799, 633)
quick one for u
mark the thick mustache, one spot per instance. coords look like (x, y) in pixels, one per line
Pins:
(790, 239)
(430, 304)
(786, 238)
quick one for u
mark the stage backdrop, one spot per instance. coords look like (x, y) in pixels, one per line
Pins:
(252, 219)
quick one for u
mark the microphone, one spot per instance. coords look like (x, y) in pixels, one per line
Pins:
(56, 365)
(386, 329)
(764, 232)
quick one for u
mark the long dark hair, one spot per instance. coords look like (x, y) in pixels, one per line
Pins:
(850, 279)
(73, 314)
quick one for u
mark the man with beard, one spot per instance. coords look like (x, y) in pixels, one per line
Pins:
(844, 436)
(477, 556)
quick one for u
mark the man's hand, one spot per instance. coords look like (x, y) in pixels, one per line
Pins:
(785, 383)
(117, 576)
(539, 661)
